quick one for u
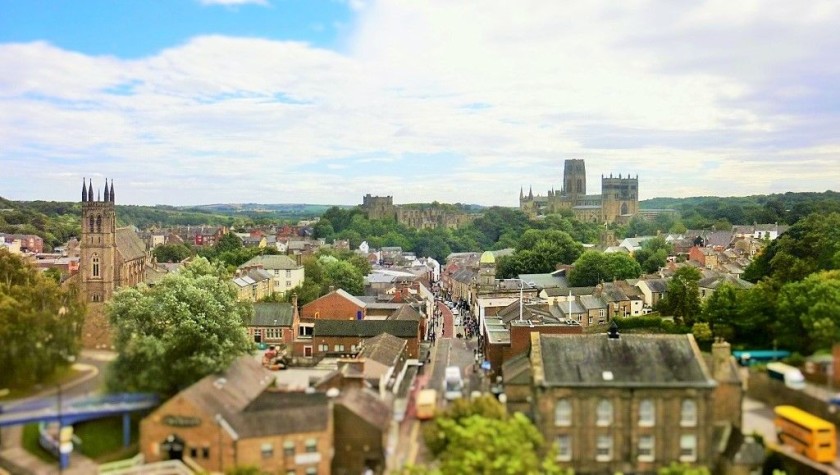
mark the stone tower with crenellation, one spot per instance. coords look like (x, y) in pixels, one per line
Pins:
(619, 197)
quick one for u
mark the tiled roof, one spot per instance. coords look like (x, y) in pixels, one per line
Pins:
(272, 314)
(129, 245)
(406, 312)
(546, 281)
(367, 406)
(365, 328)
(383, 348)
(275, 413)
(632, 360)
(656, 285)
(272, 262)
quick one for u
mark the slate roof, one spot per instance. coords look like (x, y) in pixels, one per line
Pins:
(592, 302)
(546, 281)
(634, 360)
(406, 312)
(129, 245)
(463, 275)
(272, 314)
(365, 328)
(349, 297)
(517, 370)
(657, 285)
(275, 413)
(714, 282)
(272, 262)
(367, 406)
(383, 348)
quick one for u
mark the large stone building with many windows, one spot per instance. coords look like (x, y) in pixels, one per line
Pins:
(426, 216)
(618, 201)
(617, 403)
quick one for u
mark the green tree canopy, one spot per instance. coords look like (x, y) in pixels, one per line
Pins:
(682, 300)
(172, 252)
(479, 437)
(594, 267)
(653, 255)
(815, 303)
(187, 326)
(40, 323)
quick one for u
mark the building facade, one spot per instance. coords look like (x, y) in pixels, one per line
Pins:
(618, 201)
(423, 217)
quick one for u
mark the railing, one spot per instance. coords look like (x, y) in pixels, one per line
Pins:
(167, 467)
(121, 464)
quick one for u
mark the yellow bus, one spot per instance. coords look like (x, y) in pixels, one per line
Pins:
(426, 403)
(806, 433)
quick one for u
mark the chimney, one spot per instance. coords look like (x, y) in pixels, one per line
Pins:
(332, 288)
(721, 356)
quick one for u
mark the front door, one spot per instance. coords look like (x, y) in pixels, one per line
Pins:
(173, 447)
(307, 351)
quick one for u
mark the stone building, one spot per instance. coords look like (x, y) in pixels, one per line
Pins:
(109, 258)
(617, 403)
(415, 216)
(618, 201)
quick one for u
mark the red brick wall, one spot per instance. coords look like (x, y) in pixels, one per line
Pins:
(695, 254)
(332, 307)
(412, 349)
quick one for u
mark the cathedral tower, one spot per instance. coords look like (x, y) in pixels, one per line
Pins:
(98, 246)
(574, 178)
(620, 197)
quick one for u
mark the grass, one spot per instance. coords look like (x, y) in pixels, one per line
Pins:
(61, 376)
(102, 438)
(30, 444)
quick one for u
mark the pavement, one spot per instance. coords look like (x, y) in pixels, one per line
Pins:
(16, 460)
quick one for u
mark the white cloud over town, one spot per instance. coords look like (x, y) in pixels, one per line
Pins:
(455, 101)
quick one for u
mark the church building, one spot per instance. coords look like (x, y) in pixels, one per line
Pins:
(618, 201)
(109, 258)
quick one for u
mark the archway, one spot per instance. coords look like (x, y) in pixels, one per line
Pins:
(173, 447)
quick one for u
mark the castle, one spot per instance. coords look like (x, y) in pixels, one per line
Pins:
(383, 207)
(109, 258)
(618, 201)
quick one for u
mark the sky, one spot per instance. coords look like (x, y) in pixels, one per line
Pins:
(189, 102)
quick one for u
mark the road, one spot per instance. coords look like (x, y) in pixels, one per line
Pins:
(447, 351)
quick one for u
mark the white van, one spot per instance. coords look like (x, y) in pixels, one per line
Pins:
(453, 384)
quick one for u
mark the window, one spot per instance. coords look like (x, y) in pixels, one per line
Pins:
(305, 331)
(90, 224)
(647, 413)
(288, 274)
(564, 448)
(95, 266)
(193, 453)
(603, 450)
(646, 453)
(288, 283)
(267, 450)
(99, 224)
(688, 413)
(339, 347)
(289, 448)
(688, 448)
(311, 445)
(205, 452)
(604, 413)
(563, 413)
(323, 348)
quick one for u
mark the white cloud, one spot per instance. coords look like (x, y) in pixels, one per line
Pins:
(690, 99)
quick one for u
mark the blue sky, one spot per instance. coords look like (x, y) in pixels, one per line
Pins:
(322, 101)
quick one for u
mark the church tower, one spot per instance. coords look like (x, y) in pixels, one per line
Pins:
(486, 272)
(98, 246)
(574, 178)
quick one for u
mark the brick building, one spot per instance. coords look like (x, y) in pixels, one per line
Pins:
(273, 323)
(230, 420)
(345, 337)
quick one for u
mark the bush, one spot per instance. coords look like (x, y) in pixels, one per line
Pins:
(652, 323)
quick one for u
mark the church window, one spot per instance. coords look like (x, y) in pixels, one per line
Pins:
(95, 266)
(90, 224)
(99, 224)
(623, 208)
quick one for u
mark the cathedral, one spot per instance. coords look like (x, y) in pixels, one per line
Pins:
(109, 258)
(618, 201)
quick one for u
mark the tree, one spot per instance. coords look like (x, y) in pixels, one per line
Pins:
(228, 242)
(683, 469)
(682, 300)
(40, 323)
(653, 255)
(187, 326)
(722, 312)
(172, 252)
(343, 275)
(594, 267)
(478, 436)
(815, 304)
